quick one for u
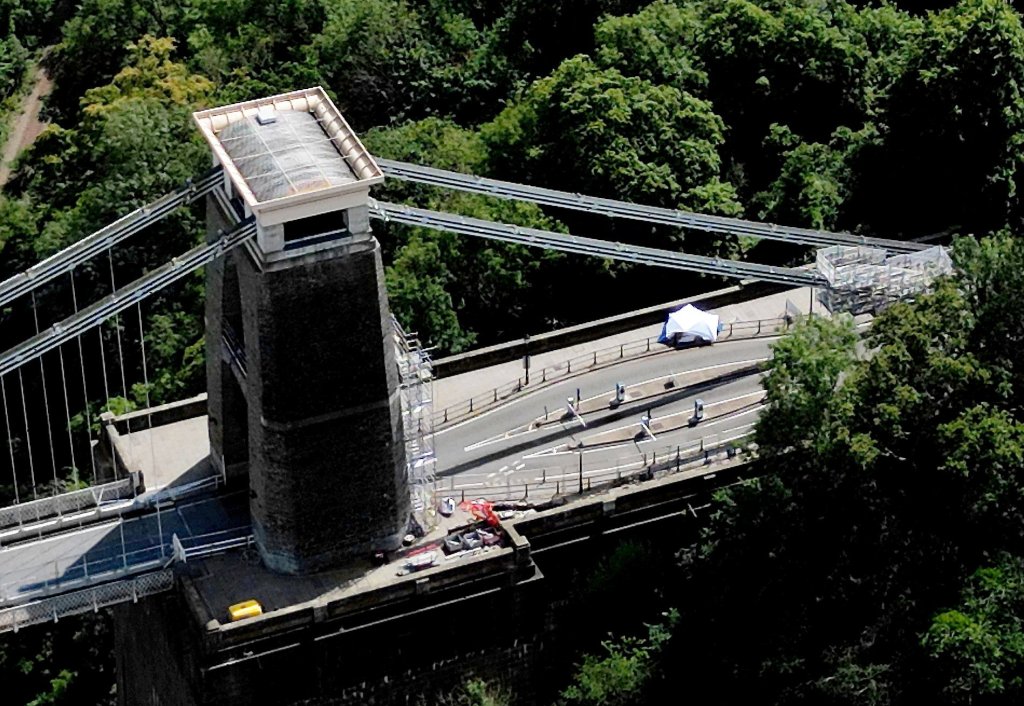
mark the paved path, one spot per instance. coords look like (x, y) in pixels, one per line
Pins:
(125, 546)
(502, 448)
(454, 390)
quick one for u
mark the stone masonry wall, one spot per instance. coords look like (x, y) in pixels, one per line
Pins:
(326, 453)
(228, 417)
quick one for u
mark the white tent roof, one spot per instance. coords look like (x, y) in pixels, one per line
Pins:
(691, 321)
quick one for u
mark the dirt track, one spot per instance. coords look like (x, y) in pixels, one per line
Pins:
(27, 125)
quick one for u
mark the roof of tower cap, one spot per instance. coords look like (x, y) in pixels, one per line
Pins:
(288, 149)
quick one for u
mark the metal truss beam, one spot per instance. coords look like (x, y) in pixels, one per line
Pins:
(592, 246)
(88, 247)
(637, 212)
(125, 297)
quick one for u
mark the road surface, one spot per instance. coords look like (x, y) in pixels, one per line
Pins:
(501, 453)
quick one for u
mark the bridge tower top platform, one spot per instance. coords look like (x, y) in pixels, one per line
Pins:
(290, 161)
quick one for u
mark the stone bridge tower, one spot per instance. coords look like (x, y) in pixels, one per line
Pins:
(302, 377)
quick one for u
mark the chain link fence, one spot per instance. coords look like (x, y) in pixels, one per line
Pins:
(52, 608)
(71, 502)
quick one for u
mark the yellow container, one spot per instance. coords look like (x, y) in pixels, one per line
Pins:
(245, 609)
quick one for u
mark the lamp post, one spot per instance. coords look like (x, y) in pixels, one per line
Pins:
(526, 357)
(581, 472)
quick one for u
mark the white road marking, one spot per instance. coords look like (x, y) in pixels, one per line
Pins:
(545, 389)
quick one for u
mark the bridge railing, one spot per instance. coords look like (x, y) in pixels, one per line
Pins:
(51, 608)
(125, 557)
(550, 482)
(75, 501)
(74, 571)
(602, 357)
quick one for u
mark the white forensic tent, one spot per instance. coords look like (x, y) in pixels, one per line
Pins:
(689, 324)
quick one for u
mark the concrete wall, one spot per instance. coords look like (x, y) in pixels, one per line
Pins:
(498, 633)
(156, 653)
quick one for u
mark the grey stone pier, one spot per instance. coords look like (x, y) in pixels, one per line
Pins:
(302, 378)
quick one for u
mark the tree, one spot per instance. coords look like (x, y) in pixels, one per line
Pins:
(977, 648)
(485, 276)
(807, 407)
(416, 291)
(619, 676)
(953, 123)
(603, 133)
(656, 44)
(814, 181)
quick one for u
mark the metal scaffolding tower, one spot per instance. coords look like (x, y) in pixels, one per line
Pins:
(416, 388)
(867, 280)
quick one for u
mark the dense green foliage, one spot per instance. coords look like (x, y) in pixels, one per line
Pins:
(880, 558)
(881, 563)
(828, 114)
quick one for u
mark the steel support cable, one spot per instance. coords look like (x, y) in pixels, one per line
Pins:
(633, 211)
(125, 297)
(46, 400)
(145, 382)
(88, 247)
(10, 439)
(120, 357)
(28, 435)
(67, 412)
(85, 387)
(592, 246)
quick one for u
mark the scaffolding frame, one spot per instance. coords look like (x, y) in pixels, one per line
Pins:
(867, 280)
(416, 375)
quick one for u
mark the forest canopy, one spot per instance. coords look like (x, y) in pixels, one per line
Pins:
(886, 119)
(882, 563)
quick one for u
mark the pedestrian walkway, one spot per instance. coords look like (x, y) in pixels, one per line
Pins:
(453, 390)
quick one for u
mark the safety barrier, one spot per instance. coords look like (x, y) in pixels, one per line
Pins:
(52, 608)
(75, 501)
(560, 481)
(460, 411)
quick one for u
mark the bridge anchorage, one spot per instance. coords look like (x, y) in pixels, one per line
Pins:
(312, 449)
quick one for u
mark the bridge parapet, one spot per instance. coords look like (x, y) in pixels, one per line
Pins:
(73, 502)
(51, 608)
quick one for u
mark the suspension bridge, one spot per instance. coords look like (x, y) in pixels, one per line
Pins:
(64, 386)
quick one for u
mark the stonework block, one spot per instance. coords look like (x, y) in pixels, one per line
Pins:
(320, 423)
